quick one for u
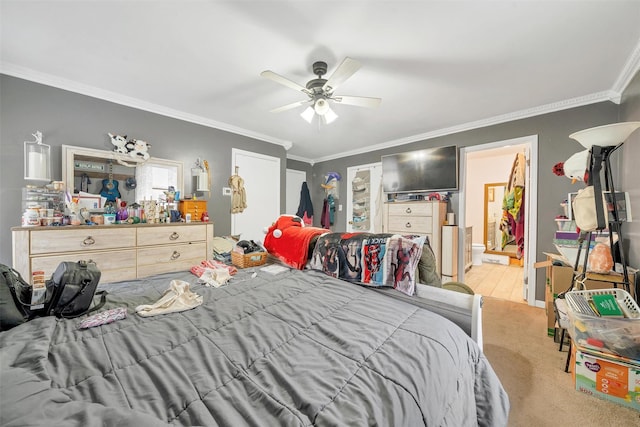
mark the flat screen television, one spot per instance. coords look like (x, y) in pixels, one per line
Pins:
(429, 169)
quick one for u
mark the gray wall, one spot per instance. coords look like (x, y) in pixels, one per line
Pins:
(554, 145)
(630, 169)
(72, 119)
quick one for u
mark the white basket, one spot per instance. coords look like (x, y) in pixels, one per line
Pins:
(625, 301)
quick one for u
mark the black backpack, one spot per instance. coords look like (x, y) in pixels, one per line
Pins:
(15, 298)
(69, 293)
(71, 289)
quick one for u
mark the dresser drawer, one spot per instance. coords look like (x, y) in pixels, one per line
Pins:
(114, 266)
(419, 209)
(410, 224)
(161, 259)
(82, 239)
(171, 234)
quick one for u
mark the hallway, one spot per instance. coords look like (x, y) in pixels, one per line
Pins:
(497, 280)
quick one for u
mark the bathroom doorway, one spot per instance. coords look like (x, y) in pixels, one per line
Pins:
(478, 163)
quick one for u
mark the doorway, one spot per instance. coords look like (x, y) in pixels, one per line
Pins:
(472, 199)
(261, 175)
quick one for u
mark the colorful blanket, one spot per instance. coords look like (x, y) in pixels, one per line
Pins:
(370, 259)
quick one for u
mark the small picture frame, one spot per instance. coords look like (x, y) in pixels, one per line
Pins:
(623, 205)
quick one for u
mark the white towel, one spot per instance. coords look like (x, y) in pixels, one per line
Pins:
(177, 298)
(215, 277)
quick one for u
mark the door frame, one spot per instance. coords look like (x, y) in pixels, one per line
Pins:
(531, 210)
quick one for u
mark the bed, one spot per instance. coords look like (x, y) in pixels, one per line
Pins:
(297, 348)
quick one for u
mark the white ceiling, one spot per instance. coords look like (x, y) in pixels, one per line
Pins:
(439, 66)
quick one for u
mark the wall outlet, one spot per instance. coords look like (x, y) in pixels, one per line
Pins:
(226, 191)
(339, 208)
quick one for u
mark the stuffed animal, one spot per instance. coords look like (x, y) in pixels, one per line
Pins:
(138, 149)
(119, 143)
(288, 239)
(575, 167)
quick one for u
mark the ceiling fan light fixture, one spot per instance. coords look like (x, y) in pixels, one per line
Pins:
(307, 114)
(321, 106)
(330, 116)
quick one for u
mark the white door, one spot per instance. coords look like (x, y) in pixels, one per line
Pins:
(294, 185)
(261, 175)
(363, 189)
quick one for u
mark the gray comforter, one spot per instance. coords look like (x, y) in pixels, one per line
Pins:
(294, 349)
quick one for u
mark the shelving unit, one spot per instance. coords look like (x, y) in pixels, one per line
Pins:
(600, 156)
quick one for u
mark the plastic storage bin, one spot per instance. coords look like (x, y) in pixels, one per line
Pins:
(615, 335)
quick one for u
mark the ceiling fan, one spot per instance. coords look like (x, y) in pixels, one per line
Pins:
(320, 91)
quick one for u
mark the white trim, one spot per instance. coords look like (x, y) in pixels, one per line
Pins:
(516, 115)
(631, 67)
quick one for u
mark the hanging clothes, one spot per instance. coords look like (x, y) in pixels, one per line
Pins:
(238, 194)
(325, 220)
(305, 208)
(513, 206)
(332, 208)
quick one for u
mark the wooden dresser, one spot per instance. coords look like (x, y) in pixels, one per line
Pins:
(417, 217)
(194, 207)
(121, 252)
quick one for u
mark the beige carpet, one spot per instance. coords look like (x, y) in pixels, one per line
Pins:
(531, 369)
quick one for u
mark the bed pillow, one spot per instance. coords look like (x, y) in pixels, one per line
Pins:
(382, 260)
(427, 271)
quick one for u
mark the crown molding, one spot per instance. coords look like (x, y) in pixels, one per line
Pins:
(631, 68)
(614, 95)
(118, 98)
(516, 115)
(302, 159)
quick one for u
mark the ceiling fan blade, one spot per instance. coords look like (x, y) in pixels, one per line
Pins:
(289, 106)
(283, 81)
(342, 73)
(360, 101)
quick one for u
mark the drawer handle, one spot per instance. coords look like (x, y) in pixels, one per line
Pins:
(175, 255)
(408, 210)
(88, 241)
(174, 236)
(408, 225)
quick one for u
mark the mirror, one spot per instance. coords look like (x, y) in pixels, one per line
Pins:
(498, 236)
(104, 172)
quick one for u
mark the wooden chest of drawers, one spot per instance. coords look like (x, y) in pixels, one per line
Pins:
(194, 207)
(121, 252)
(423, 218)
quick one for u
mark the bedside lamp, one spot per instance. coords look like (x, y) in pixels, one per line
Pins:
(37, 159)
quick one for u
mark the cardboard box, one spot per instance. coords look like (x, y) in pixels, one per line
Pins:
(613, 379)
(558, 279)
